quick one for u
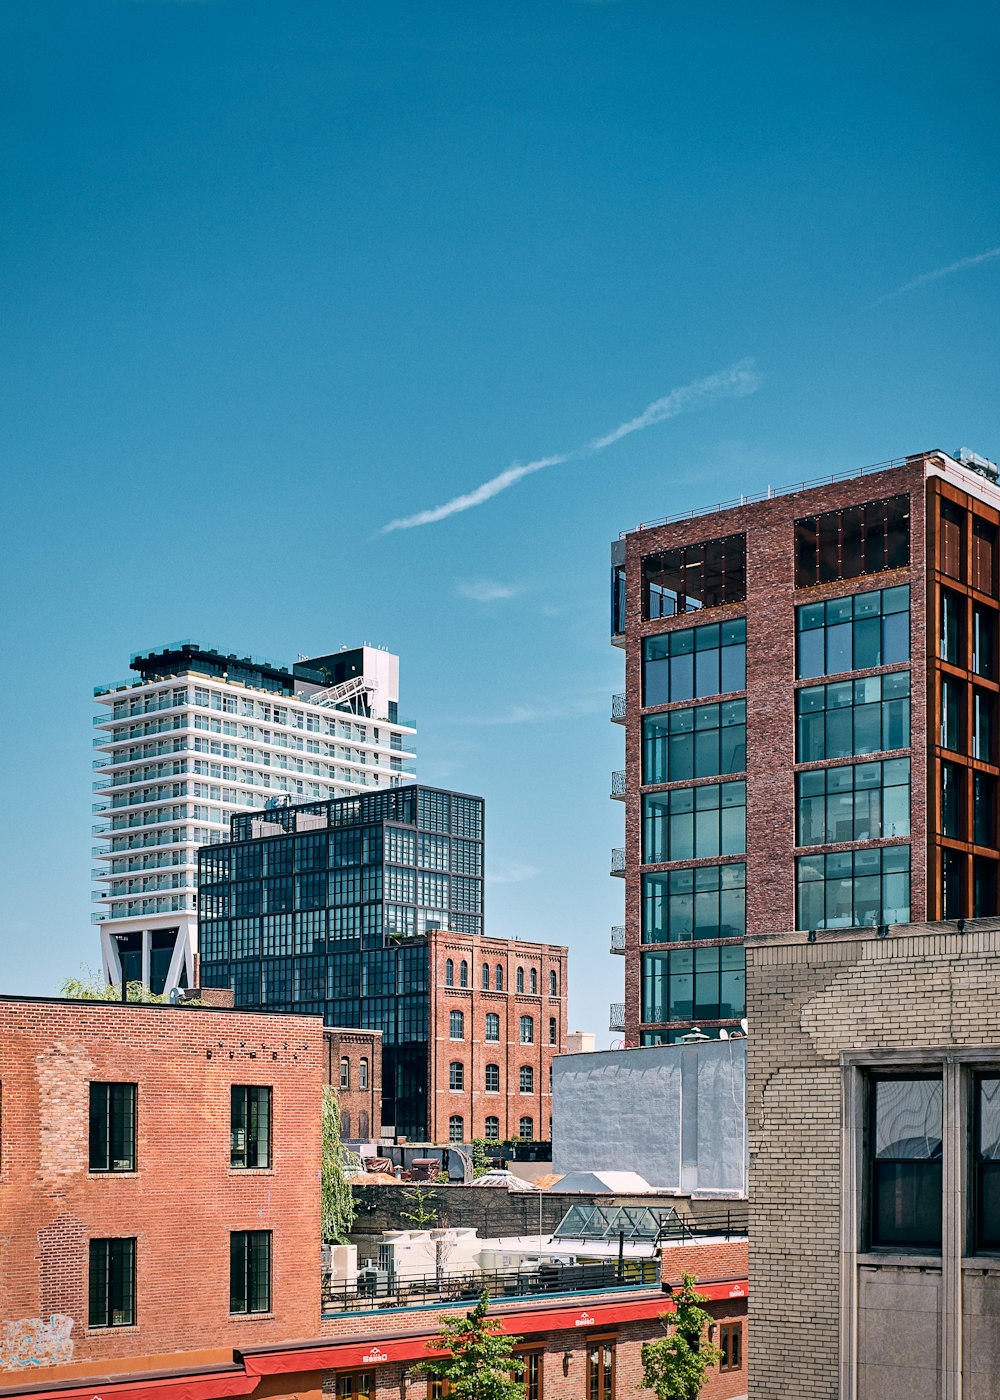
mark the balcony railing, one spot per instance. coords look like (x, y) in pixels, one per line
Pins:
(617, 938)
(618, 784)
(618, 708)
(616, 1016)
(375, 1289)
(618, 860)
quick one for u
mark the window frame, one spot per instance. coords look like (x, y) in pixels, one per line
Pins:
(127, 1263)
(526, 1030)
(120, 1116)
(244, 1240)
(730, 1332)
(456, 1077)
(250, 1092)
(872, 1243)
(456, 1021)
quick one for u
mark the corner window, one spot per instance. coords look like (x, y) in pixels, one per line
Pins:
(111, 1283)
(904, 1168)
(250, 1271)
(695, 576)
(527, 1030)
(694, 663)
(456, 1025)
(112, 1127)
(250, 1126)
(492, 1026)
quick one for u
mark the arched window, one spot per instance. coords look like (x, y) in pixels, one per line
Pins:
(486, 977)
(345, 1125)
(553, 1031)
(492, 1026)
(533, 982)
(362, 1125)
(456, 1128)
(456, 1025)
(527, 1029)
(553, 984)
(492, 1133)
(463, 973)
(527, 1079)
(449, 973)
(520, 979)
(363, 1073)
(456, 1075)
(493, 1079)
(499, 978)
(345, 1073)
(527, 1129)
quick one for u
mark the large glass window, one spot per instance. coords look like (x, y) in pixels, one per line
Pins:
(905, 1163)
(983, 726)
(250, 1125)
(250, 1271)
(952, 893)
(952, 698)
(860, 802)
(846, 718)
(696, 742)
(951, 800)
(112, 1127)
(601, 1371)
(984, 556)
(708, 901)
(694, 823)
(987, 1161)
(862, 539)
(695, 576)
(984, 806)
(952, 614)
(694, 663)
(854, 889)
(692, 984)
(111, 1283)
(853, 634)
(984, 642)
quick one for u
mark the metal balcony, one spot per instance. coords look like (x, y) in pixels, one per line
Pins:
(616, 1018)
(618, 708)
(617, 938)
(618, 785)
(618, 861)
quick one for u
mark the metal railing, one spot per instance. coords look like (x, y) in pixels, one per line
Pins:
(618, 783)
(617, 938)
(618, 860)
(618, 707)
(767, 495)
(616, 1016)
(375, 1289)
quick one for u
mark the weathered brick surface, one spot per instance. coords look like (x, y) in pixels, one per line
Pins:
(183, 1199)
(474, 1052)
(809, 1002)
(770, 612)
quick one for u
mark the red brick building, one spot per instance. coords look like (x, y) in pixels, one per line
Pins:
(353, 1066)
(498, 1019)
(810, 714)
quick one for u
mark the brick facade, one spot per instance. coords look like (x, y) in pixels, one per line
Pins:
(182, 1200)
(473, 1103)
(359, 1053)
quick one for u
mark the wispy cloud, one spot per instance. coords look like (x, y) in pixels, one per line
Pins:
(735, 382)
(962, 265)
(484, 590)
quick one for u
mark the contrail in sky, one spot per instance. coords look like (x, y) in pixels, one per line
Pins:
(962, 265)
(735, 382)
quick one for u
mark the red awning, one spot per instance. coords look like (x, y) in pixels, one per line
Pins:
(320, 1356)
(208, 1385)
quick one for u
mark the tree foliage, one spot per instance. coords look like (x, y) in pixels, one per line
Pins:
(674, 1366)
(338, 1208)
(421, 1212)
(91, 986)
(481, 1160)
(478, 1360)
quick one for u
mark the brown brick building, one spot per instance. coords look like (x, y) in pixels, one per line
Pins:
(810, 714)
(353, 1066)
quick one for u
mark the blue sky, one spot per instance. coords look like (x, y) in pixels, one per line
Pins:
(276, 275)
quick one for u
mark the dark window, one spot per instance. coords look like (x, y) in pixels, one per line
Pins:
(463, 973)
(691, 984)
(250, 1130)
(984, 644)
(111, 1283)
(250, 1271)
(983, 727)
(493, 1079)
(951, 800)
(694, 663)
(486, 977)
(694, 822)
(846, 718)
(987, 1161)
(952, 705)
(456, 1075)
(696, 576)
(952, 892)
(359, 1385)
(533, 982)
(492, 1130)
(859, 802)
(553, 983)
(449, 973)
(696, 742)
(526, 1081)
(854, 889)
(862, 539)
(456, 1128)
(952, 615)
(706, 902)
(984, 887)
(553, 1031)
(519, 980)
(498, 982)
(984, 804)
(952, 553)
(492, 1026)
(601, 1371)
(984, 557)
(905, 1117)
(456, 1025)
(531, 1376)
(853, 634)
(731, 1346)
(112, 1127)
(617, 601)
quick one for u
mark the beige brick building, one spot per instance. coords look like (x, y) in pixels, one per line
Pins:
(874, 1130)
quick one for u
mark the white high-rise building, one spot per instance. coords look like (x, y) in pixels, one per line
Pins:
(196, 736)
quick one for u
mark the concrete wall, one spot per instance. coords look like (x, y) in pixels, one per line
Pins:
(676, 1114)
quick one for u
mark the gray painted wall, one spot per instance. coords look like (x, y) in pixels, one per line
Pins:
(676, 1114)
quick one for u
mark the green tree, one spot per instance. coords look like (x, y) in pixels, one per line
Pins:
(338, 1208)
(91, 986)
(481, 1162)
(478, 1360)
(674, 1366)
(420, 1212)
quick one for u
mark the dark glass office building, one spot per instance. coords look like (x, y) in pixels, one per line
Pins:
(324, 908)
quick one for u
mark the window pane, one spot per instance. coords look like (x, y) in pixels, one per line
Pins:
(906, 1181)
